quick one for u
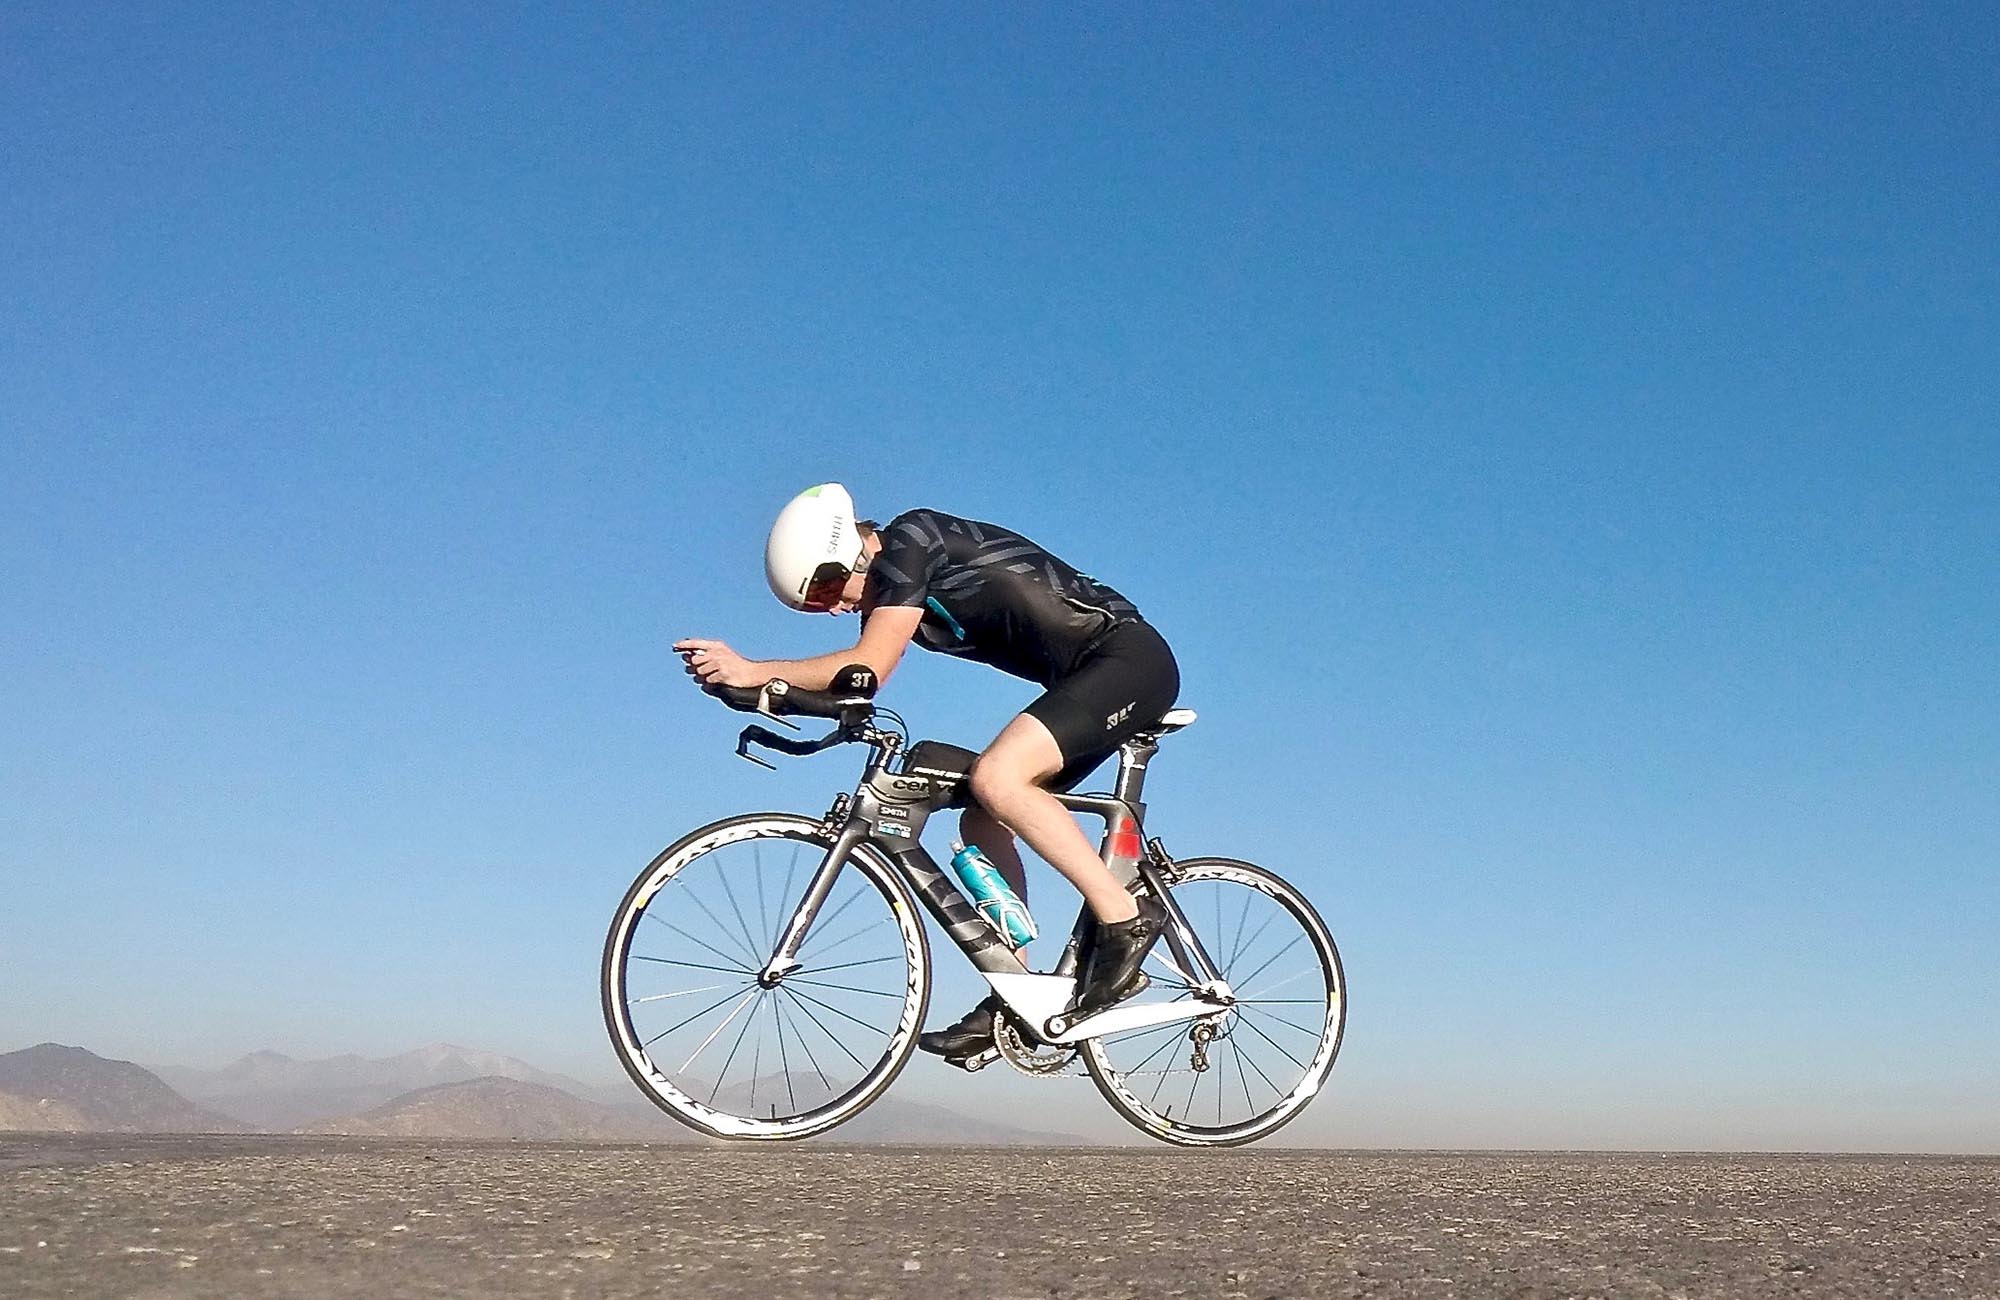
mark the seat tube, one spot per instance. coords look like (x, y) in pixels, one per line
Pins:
(1124, 844)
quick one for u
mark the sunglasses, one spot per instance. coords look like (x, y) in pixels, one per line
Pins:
(827, 586)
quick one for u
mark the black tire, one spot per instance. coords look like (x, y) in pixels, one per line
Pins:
(1113, 1062)
(670, 1089)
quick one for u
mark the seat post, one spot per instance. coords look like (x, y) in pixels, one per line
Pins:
(1133, 756)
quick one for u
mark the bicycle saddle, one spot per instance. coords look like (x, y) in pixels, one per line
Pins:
(1170, 722)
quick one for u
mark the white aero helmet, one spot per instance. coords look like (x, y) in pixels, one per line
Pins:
(814, 548)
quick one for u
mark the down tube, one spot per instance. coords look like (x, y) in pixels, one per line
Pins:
(981, 945)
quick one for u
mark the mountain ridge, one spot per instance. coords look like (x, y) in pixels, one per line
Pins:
(269, 1089)
(51, 1087)
(106, 1094)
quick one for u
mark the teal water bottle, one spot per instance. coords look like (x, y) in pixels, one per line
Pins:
(991, 894)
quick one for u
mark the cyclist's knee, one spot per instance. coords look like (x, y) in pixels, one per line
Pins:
(996, 782)
(988, 781)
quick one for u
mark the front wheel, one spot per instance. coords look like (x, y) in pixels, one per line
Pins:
(1239, 1074)
(713, 1046)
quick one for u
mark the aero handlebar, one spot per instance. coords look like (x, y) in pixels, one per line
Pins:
(848, 701)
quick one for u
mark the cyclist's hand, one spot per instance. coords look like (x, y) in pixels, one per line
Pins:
(713, 663)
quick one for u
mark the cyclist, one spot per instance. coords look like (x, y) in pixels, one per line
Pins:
(982, 592)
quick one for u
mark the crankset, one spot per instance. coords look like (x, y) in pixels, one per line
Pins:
(1039, 1059)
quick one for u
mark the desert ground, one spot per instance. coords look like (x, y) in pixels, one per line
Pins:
(166, 1217)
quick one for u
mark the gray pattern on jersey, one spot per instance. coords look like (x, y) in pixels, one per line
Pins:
(991, 595)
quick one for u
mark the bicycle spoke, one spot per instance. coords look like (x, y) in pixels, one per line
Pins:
(1236, 943)
(1218, 911)
(1144, 1031)
(695, 965)
(1299, 974)
(1311, 1031)
(690, 1020)
(698, 942)
(661, 997)
(713, 1032)
(1296, 939)
(757, 863)
(866, 929)
(713, 919)
(730, 892)
(1242, 1056)
(784, 1058)
(886, 1033)
(1236, 1055)
(723, 1073)
(756, 1058)
(845, 965)
(1273, 1042)
(806, 1047)
(785, 892)
(823, 1029)
(844, 988)
(1140, 1068)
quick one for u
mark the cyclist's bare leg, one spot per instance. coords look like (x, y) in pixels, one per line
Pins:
(1007, 782)
(979, 827)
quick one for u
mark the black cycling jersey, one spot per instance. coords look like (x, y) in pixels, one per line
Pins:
(991, 595)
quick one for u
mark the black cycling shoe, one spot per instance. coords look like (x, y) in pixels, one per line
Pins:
(972, 1035)
(1112, 973)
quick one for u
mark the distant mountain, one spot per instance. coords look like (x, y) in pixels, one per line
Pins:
(107, 1096)
(274, 1091)
(504, 1108)
(19, 1115)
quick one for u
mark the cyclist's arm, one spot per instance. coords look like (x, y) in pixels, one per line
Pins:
(884, 637)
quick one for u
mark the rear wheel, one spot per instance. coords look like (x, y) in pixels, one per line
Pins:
(1239, 1074)
(707, 1041)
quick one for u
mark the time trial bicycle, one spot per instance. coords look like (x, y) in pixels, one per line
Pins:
(767, 975)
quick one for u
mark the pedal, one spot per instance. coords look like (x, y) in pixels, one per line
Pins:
(974, 1064)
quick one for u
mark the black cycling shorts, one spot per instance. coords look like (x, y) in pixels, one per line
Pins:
(1124, 685)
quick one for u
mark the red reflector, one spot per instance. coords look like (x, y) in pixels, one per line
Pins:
(1125, 843)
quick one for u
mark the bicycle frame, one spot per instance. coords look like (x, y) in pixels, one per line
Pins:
(887, 811)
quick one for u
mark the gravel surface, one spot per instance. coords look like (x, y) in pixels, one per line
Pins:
(254, 1217)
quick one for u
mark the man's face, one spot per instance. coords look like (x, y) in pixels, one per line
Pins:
(850, 595)
(857, 581)
(823, 598)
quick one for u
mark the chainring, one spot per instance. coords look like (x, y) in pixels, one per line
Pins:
(1040, 1061)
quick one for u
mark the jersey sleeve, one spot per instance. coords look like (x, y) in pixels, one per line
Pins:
(912, 550)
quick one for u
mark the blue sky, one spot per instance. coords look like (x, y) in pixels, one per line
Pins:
(1561, 446)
